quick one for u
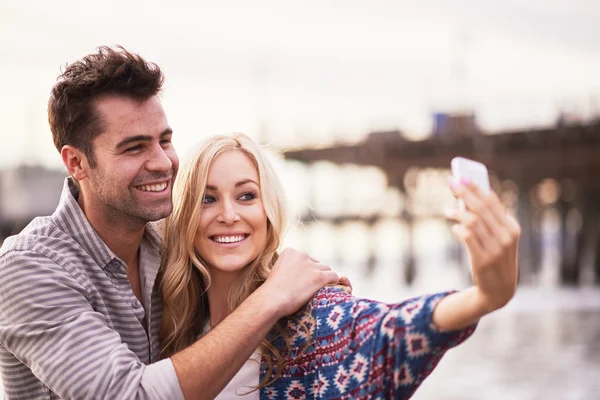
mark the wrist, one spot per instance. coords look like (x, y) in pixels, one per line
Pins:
(483, 303)
(265, 301)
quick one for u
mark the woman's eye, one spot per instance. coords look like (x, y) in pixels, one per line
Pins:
(248, 196)
(208, 200)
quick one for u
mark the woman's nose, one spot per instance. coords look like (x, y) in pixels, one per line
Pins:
(228, 214)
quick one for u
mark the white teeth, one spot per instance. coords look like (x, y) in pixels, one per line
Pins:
(153, 188)
(228, 239)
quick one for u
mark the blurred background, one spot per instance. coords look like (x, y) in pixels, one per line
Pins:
(362, 105)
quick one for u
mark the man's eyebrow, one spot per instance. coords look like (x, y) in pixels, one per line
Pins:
(142, 138)
(238, 184)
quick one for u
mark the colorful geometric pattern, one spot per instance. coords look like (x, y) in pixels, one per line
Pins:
(363, 349)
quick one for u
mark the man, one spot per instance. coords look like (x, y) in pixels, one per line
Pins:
(79, 311)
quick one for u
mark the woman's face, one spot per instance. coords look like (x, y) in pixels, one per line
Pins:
(233, 223)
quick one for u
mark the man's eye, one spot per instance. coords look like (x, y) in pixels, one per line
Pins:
(165, 142)
(132, 149)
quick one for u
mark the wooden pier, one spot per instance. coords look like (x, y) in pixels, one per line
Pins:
(568, 155)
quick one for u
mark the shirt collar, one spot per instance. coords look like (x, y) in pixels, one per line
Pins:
(70, 218)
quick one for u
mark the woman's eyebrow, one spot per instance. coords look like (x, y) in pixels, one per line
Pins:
(244, 181)
(238, 184)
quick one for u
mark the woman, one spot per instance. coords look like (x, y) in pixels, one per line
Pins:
(222, 239)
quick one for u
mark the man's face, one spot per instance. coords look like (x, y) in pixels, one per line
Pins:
(136, 161)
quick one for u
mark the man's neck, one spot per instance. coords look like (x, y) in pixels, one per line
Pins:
(122, 235)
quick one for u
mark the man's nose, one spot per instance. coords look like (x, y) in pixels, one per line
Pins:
(159, 160)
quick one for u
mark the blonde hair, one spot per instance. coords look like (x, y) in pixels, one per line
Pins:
(184, 279)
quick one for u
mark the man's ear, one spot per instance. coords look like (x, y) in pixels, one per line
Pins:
(75, 161)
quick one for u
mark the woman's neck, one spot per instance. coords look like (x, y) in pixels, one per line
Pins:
(218, 295)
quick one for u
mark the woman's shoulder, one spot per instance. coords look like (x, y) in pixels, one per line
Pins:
(335, 302)
(336, 299)
(330, 296)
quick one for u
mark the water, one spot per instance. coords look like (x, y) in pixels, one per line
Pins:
(544, 345)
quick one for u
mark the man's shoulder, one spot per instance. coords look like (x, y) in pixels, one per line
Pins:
(41, 233)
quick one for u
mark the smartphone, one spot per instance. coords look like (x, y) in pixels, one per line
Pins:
(474, 170)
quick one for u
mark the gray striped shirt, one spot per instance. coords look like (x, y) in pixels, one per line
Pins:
(70, 325)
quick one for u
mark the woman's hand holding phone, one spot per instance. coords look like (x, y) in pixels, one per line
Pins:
(491, 237)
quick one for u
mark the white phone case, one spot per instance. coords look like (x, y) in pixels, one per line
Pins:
(473, 170)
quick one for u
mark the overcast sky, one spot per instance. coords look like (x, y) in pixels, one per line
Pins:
(310, 72)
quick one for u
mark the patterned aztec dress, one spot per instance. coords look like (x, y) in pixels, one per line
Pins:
(363, 349)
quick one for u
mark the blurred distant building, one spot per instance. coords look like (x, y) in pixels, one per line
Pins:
(27, 192)
(454, 125)
(549, 176)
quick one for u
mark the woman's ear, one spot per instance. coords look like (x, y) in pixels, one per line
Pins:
(75, 161)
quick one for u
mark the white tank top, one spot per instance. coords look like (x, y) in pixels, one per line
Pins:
(244, 381)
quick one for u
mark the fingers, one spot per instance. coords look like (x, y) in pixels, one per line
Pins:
(318, 265)
(467, 237)
(330, 277)
(326, 274)
(322, 267)
(344, 281)
(294, 257)
(484, 205)
(488, 209)
(475, 227)
(491, 236)
(489, 233)
(513, 226)
(294, 279)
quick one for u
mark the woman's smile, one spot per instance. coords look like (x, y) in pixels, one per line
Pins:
(229, 240)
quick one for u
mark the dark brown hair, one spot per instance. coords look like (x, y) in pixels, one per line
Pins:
(111, 71)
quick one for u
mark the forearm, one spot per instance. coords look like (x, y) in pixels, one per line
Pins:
(460, 309)
(204, 368)
(491, 236)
